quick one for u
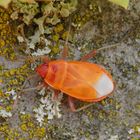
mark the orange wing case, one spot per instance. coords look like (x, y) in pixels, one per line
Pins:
(82, 80)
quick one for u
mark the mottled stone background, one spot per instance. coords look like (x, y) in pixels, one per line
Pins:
(115, 118)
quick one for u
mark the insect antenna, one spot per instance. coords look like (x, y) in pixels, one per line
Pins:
(107, 47)
(23, 89)
(94, 52)
(65, 48)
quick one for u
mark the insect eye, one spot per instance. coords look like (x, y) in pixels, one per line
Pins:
(46, 64)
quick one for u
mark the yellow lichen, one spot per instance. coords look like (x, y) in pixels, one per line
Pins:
(58, 28)
(2, 43)
(7, 35)
(24, 127)
(25, 117)
(64, 35)
(1, 93)
(40, 132)
(8, 108)
(55, 37)
(81, 18)
(30, 124)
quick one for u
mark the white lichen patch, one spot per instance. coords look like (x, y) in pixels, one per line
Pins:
(114, 137)
(48, 107)
(22, 112)
(41, 52)
(5, 113)
(33, 40)
(12, 93)
(40, 114)
(32, 50)
(20, 39)
(131, 131)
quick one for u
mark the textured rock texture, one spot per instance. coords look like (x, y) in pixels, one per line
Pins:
(115, 118)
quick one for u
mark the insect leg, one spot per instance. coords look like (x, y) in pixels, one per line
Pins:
(94, 52)
(65, 49)
(56, 92)
(34, 88)
(91, 104)
(26, 90)
(28, 80)
(88, 56)
(55, 99)
(71, 104)
(84, 107)
(64, 52)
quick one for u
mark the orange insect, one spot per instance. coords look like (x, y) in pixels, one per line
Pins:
(78, 79)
